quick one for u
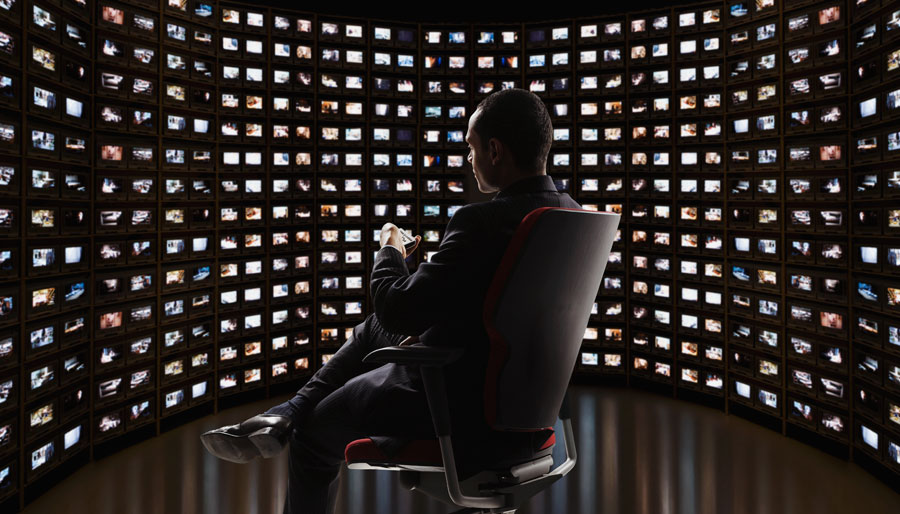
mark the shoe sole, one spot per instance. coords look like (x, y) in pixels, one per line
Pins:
(266, 442)
(229, 447)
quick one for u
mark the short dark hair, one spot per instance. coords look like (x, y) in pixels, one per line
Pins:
(519, 119)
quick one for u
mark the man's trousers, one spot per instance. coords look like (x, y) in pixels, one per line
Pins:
(347, 400)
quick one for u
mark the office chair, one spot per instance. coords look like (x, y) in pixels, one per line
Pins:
(535, 312)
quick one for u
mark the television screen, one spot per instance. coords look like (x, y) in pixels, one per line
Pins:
(868, 107)
(74, 108)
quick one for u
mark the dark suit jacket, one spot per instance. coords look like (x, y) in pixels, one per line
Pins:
(442, 302)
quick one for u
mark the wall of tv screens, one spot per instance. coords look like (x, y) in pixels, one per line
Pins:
(191, 194)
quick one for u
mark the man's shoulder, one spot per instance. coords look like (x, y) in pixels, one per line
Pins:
(567, 201)
(559, 199)
(476, 212)
(516, 202)
(469, 212)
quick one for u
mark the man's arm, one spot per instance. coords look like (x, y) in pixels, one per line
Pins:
(391, 246)
(410, 304)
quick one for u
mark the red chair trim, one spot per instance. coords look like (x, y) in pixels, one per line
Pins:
(549, 442)
(362, 450)
(417, 452)
(420, 451)
(499, 348)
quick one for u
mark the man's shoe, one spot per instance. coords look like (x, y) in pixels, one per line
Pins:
(262, 435)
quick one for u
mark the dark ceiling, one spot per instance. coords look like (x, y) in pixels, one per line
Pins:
(470, 11)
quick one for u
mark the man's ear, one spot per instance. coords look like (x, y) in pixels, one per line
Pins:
(495, 150)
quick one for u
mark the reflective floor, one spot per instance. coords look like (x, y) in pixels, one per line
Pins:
(637, 453)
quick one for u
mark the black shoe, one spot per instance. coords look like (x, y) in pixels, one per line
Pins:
(263, 435)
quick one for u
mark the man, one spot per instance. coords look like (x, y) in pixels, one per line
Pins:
(509, 137)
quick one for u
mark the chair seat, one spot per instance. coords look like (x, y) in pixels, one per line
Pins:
(422, 454)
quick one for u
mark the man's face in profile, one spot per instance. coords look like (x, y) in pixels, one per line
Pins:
(481, 164)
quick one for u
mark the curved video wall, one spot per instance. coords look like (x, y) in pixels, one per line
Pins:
(191, 194)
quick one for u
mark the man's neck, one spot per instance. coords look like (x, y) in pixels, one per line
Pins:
(519, 177)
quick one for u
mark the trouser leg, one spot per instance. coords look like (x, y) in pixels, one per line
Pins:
(387, 401)
(345, 364)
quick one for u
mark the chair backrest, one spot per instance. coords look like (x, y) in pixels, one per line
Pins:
(536, 312)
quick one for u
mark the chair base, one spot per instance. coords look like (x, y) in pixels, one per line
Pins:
(485, 483)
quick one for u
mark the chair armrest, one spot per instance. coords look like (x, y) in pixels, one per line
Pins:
(415, 355)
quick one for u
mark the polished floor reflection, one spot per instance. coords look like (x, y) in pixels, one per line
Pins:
(637, 453)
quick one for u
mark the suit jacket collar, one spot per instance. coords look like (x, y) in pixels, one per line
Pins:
(530, 184)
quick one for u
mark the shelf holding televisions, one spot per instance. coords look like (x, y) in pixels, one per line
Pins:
(9, 431)
(135, 413)
(284, 346)
(652, 368)
(814, 52)
(814, 416)
(874, 106)
(686, 45)
(55, 142)
(114, 53)
(875, 290)
(45, 179)
(598, 360)
(135, 21)
(754, 35)
(652, 290)
(55, 295)
(825, 115)
(49, 257)
(10, 43)
(45, 219)
(830, 286)
(748, 392)
(46, 414)
(875, 145)
(115, 421)
(57, 103)
(877, 256)
(694, 349)
(236, 292)
(643, 184)
(876, 293)
(123, 385)
(285, 368)
(825, 381)
(50, 381)
(815, 84)
(870, 72)
(746, 365)
(878, 443)
(822, 152)
(117, 353)
(52, 449)
(62, 29)
(346, 309)
(334, 283)
(186, 366)
(606, 336)
(236, 296)
(697, 377)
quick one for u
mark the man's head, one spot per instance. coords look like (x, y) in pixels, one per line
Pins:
(509, 137)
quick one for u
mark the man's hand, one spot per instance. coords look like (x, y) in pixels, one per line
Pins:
(390, 234)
